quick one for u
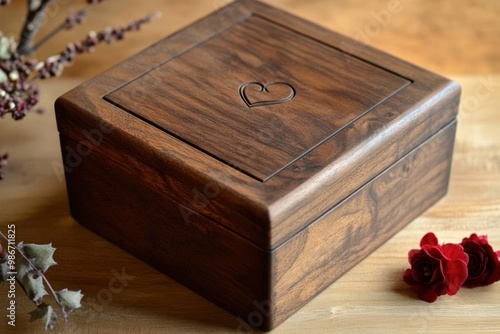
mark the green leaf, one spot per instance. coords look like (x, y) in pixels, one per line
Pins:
(70, 299)
(5, 48)
(46, 312)
(34, 287)
(3, 76)
(4, 269)
(22, 268)
(40, 255)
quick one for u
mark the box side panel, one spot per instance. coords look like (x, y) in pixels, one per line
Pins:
(114, 201)
(167, 164)
(317, 256)
(327, 183)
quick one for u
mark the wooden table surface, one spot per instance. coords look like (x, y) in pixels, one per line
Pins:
(459, 39)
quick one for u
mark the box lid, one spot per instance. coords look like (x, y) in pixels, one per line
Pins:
(257, 119)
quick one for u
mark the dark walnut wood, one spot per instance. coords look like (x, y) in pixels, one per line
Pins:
(256, 157)
(317, 91)
(260, 287)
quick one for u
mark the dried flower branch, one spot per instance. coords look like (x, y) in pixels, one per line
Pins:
(17, 96)
(19, 92)
(54, 65)
(35, 16)
(35, 261)
(73, 19)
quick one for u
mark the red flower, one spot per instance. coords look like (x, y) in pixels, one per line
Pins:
(436, 270)
(484, 263)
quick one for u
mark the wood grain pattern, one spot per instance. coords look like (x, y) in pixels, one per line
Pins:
(194, 96)
(261, 288)
(244, 205)
(198, 252)
(459, 39)
(198, 100)
(308, 263)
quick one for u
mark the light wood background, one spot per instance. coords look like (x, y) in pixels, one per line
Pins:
(457, 38)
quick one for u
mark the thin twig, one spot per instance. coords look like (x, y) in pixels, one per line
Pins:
(63, 26)
(54, 65)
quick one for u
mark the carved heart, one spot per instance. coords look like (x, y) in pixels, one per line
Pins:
(265, 89)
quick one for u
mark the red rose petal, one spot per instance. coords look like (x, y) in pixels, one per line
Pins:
(441, 288)
(454, 251)
(408, 277)
(435, 252)
(437, 270)
(429, 296)
(473, 237)
(453, 267)
(483, 239)
(455, 274)
(437, 275)
(485, 268)
(412, 254)
(477, 262)
(429, 239)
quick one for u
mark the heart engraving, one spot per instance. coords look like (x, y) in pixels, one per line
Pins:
(265, 89)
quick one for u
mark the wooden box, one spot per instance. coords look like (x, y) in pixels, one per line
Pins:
(255, 157)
